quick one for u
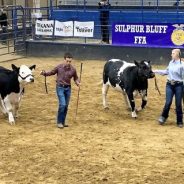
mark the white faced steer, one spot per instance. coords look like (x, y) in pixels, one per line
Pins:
(12, 85)
(127, 78)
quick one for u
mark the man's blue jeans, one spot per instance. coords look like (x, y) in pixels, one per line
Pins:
(64, 98)
(171, 90)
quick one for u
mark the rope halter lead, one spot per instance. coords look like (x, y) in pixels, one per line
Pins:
(45, 81)
(46, 84)
(156, 86)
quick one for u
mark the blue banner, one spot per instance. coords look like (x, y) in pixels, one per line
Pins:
(148, 35)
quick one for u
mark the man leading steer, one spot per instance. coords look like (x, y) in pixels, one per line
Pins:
(65, 72)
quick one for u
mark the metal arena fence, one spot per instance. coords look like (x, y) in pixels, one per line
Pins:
(21, 23)
(125, 3)
(15, 29)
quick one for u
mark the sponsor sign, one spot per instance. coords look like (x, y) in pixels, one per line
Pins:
(83, 29)
(148, 35)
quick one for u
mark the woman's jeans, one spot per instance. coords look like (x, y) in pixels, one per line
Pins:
(63, 94)
(171, 90)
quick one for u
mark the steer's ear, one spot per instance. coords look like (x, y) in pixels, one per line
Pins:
(32, 67)
(149, 62)
(136, 63)
(14, 67)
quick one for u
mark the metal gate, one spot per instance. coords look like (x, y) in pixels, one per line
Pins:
(12, 35)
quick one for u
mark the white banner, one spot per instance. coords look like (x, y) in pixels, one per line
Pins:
(63, 28)
(83, 29)
(80, 29)
(44, 27)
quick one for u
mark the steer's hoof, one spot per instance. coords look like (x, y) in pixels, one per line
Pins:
(134, 115)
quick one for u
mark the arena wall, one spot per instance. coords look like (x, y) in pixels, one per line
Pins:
(97, 51)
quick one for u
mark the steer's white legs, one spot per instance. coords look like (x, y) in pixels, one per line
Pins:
(105, 88)
(134, 114)
(2, 107)
(132, 103)
(9, 110)
(17, 100)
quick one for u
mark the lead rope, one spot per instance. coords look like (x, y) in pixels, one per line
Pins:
(156, 86)
(46, 84)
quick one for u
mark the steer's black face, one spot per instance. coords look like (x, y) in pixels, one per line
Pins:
(144, 69)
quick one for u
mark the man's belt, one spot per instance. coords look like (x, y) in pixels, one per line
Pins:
(173, 82)
(64, 86)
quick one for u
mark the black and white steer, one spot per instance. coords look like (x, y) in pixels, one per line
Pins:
(12, 85)
(127, 78)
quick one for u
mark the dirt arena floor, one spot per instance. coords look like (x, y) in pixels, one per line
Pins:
(101, 147)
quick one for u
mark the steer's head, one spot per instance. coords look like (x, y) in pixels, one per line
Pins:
(24, 73)
(144, 69)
